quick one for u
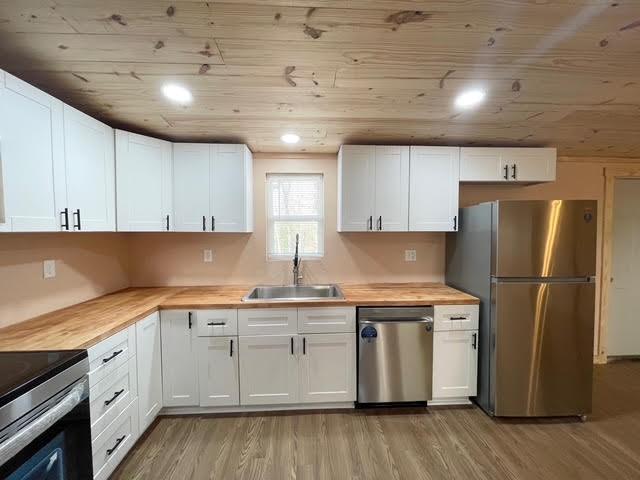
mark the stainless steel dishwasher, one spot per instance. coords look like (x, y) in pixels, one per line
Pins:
(395, 354)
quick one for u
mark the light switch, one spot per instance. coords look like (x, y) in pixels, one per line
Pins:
(49, 269)
(410, 256)
(207, 256)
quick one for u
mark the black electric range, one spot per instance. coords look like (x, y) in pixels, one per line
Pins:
(45, 429)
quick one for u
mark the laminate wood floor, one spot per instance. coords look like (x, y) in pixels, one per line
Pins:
(451, 443)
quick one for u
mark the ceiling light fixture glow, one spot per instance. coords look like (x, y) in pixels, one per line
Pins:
(470, 98)
(290, 138)
(177, 93)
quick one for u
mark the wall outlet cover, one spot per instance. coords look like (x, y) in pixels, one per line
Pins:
(207, 256)
(49, 269)
(410, 256)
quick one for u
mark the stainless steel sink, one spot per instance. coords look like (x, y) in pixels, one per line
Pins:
(293, 293)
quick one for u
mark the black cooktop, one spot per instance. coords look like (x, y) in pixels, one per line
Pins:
(22, 371)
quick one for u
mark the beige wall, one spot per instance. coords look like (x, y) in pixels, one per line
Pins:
(87, 265)
(176, 259)
(93, 264)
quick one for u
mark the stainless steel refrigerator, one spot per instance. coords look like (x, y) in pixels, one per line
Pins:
(532, 264)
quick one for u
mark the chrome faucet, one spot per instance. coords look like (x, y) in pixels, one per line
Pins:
(296, 264)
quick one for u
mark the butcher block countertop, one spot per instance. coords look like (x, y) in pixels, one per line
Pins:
(83, 325)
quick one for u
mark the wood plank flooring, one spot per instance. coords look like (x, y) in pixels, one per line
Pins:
(458, 443)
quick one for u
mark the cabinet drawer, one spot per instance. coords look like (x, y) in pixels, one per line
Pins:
(110, 447)
(455, 317)
(109, 397)
(327, 320)
(216, 323)
(268, 321)
(110, 354)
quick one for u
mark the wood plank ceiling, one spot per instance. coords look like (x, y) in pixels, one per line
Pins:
(562, 73)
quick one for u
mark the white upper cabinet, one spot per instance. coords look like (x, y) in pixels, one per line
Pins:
(373, 188)
(527, 165)
(144, 177)
(213, 187)
(31, 155)
(90, 172)
(231, 188)
(391, 206)
(355, 187)
(433, 190)
(191, 177)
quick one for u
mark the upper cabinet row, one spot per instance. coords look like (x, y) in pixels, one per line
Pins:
(415, 189)
(60, 171)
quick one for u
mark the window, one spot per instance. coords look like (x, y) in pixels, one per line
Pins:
(295, 205)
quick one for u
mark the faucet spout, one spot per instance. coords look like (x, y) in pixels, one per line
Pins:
(296, 263)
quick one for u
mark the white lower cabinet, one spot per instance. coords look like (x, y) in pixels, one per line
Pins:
(218, 371)
(179, 364)
(328, 368)
(149, 369)
(455, 364)
(268, 370)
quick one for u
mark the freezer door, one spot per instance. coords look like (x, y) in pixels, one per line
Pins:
(555, 238)
(543, 357)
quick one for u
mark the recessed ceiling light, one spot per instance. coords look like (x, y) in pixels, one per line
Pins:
(177, 93)
(290, 138)
(470, 98)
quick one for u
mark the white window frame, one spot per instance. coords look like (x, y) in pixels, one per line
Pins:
(271, 219)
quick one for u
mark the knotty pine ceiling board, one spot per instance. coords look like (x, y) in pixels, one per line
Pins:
(563, 73)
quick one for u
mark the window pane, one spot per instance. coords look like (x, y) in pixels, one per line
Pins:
(295, 195)
(284, 238)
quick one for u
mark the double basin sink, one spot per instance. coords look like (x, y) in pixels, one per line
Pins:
(294, 293)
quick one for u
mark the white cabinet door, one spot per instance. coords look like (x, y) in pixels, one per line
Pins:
(480, 164)
(327, 320)
(31, 157)
(268, 370)
(328, 368)
(268, 321)
(90, 172)
(530, 164)
(455, 364)
(149, 369)
(231, 181)
(191, 179)
(433, 192)
(179, 361)
(144, 183)
(356, 165)
(218, 371)
(391, 204)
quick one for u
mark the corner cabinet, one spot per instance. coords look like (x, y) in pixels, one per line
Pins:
(455, 354)
(501, 165)
(373, 188)
(212, 186)
(31, 157)
(144, 177)
(434, 174)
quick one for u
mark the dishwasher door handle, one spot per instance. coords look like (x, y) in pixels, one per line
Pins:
(403, 320)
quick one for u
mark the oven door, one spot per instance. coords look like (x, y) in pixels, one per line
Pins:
(52, 442)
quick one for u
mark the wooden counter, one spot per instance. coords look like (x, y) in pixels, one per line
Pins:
(86, 324)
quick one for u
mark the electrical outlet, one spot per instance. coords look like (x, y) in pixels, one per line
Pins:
(49, 269)
(410, 256)
(207, 256)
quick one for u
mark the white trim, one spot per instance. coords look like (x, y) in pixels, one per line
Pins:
(257, 408)
(436, 402)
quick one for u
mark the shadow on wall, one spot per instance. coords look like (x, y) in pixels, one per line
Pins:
(87, 265)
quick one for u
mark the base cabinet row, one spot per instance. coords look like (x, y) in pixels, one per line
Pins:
(233, 370)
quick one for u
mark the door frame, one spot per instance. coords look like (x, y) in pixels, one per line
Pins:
(611, 174)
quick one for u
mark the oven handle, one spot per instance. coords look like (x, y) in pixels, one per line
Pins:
(23, 437)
